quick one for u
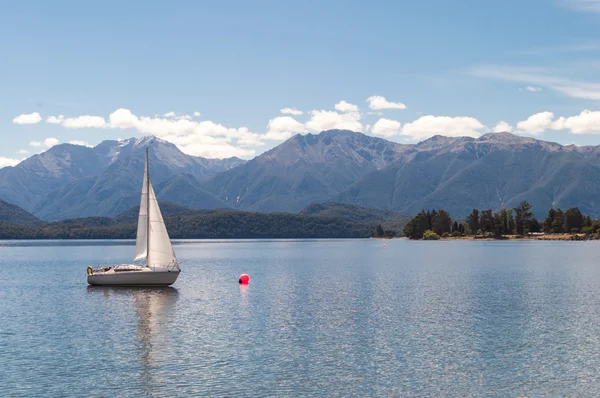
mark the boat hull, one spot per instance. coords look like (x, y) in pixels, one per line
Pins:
(133, 278)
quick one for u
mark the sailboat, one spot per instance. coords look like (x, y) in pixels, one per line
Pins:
(152, 244)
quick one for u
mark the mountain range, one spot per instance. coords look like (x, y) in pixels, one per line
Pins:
(70, 181)
(457, 174)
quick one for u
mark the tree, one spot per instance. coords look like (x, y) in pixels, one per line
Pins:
(461, 228)
(379, 231)
(559, 221)
(518, 221)
(430, 235)
(417, 226)
(455, 226)
(549, 220)
(486, 221)
(573, 220)
(523, 217)
(511, 221)
(498, 225)
(441, 222)
(587, 222)
(534, 225)
(504, 220)
(473, 222)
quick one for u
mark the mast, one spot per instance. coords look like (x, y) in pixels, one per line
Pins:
(147, 212)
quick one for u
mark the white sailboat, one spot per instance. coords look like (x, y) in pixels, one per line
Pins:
(152, 245)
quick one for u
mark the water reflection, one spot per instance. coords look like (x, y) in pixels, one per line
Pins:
(153, 308)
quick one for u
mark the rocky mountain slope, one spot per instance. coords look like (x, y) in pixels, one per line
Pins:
(75, 181)
(304, 169)
(496, 170)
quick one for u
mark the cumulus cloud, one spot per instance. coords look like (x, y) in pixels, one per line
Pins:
(80, 143)
(327, 120)
(29, 118)
(4, 162)
(428, 126)
(196, 114)
(291, 111)
(23, 151)
(169, 114)
(198, 138)
(55, 119)
(587, 122)
(344, 106)
(503, 127)
(537, 123)
(377, 102)
(85, 121)
(386, 127)
(283, 127)
(48, 143)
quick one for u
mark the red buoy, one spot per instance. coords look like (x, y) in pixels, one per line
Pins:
(384, 245)
(244, 279)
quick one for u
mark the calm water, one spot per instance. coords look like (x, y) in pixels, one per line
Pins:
(344, 317)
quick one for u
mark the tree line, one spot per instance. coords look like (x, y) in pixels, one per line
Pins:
(512, 221)
(217, 224)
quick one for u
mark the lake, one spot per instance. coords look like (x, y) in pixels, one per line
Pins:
(319, 317)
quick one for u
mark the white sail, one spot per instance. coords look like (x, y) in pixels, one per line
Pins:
(141, 242)
(161, 254)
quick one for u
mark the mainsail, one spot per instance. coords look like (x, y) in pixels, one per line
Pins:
(141, 241)
(152, 241)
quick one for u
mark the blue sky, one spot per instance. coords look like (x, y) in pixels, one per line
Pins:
(83, 72)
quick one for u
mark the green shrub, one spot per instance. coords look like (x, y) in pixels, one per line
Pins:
(456, 234)
(445, 235)
(430, 235)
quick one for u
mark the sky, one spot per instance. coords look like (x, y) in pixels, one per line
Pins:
(235, 78)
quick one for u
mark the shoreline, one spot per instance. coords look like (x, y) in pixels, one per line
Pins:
(550, 237)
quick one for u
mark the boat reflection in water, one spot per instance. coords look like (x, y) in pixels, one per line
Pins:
(153, 308)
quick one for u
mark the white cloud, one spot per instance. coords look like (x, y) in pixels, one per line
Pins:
(80, 143)
(23, 151)
(344, 106)
(537, 123)
(283, 127)
(4, 162)
(29, 118)
(428, 126)
(386, 127)
(55, 119)
(196, 114)
(587, 122)
(84, 121)
(186, 117)
(169, 114)
(532, 89)
(540, 77)
(592, 6)
(377, 102)
(48, 143)
(203, 138)
(503, 127)
(327, 120)
(291, 111)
